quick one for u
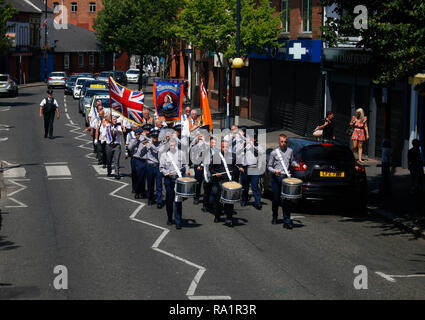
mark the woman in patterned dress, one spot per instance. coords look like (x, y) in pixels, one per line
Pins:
(359, 121)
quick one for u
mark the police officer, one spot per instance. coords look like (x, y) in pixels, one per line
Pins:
(172, 166)
(48, 107)
(139, 150)
(279, 165)
(250, 171)
(221, 169)
(154, 176)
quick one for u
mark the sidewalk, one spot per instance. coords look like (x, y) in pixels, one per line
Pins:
(33, 84)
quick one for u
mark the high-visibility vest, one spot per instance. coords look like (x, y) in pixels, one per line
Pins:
(195, 123)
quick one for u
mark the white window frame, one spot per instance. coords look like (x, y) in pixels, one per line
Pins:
(309, 27)
(91, 6)
(80, 60)
(74, 6)
(286, 28)
(66, 59)
(91, 60)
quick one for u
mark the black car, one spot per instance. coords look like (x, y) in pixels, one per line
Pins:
(69, 84)
(328, 170)
(120, 77)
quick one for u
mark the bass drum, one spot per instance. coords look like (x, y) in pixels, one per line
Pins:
(292, 188)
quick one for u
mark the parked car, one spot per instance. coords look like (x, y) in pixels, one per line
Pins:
(328, 170)
(120, 77)
(89, 84)
(56, 79)
(69, 84)
(90, 93)
(8, 85)
(133, 75)
(78, 85)
(106, 103)
(104, 75)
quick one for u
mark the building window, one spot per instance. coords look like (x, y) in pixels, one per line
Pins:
(285, 15)
(74, 7)
(92, 7)
(101, 59)
(307, 13)
(91, 61)
(80, 60)
(55, 7)
(66, 61)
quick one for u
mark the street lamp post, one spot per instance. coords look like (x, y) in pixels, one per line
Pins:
(237, 62)
(45, 41)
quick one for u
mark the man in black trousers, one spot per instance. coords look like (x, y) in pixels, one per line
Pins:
(48, 107)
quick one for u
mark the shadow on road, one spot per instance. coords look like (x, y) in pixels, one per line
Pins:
(6, 245)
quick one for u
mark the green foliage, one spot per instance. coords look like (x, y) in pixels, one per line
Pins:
(395, 33)
(137, 26)
(210, 25)
(6, 12)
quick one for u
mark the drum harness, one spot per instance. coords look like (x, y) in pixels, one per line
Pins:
(225, 166)
(177, 198)
(279, 155)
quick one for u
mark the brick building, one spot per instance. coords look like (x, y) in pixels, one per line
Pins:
(82, 13)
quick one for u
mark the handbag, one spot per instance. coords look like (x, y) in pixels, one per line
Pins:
(317, 132)
(349, 131)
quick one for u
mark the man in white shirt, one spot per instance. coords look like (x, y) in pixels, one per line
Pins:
(184, 120)
(48, 107)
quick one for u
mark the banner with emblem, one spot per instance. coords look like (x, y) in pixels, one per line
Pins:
(168, 98)
(126, 102)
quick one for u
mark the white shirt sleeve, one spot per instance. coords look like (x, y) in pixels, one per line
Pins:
(43, 102)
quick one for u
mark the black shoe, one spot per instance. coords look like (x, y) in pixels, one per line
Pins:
(136, 196)
(243, 204)
(150, 202)
(258, 206)
(45, 135)
(229, 224)
(159, 205)
(169, 223)
(132, 191)
(204, 209)
(178, 226)
(117, 176)
(216, 220)
(143, 196)
(274, 221)
(104, 166)
(109, 174)
(99, 162)
(288, 226)
(51, 138)
(196, 201)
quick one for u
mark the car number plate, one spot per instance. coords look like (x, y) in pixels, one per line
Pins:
(56, 82)
(330, 174)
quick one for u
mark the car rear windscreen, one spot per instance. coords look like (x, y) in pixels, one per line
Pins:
(91, 93)
(133, 72)
(325, 153)
(57, 74)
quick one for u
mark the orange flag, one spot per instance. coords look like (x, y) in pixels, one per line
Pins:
(205, 107)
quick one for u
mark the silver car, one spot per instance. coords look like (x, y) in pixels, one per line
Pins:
(104, 76)
(57, 79)
(78, 86)
(133, 75)
(106, 103)
(8, 85)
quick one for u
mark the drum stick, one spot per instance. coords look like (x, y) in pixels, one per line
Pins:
(215, 174)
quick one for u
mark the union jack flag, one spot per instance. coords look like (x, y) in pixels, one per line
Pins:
(126, 102)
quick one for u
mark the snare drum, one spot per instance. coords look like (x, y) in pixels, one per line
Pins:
(231, 192)
(186, 187)
(292, 188)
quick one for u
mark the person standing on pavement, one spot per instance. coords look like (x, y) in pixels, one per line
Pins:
(280, 161)
(171, 165)
(361, 132)
(328, 126)
(416, 167)
(154, 176)
(48, 107)
(250, 172)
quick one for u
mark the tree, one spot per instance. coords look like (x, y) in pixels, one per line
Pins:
(140, 27)
(395, 33)
(210, 25)
(6, 12)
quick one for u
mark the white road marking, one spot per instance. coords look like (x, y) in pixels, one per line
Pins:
(57, 171)
(201, 270)
(14, 173)
(60, 178)
(4, 139)
(9, 196)
(67, 115)
(53, 163)
(4, 109)
(100, 170)
(390, 277)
